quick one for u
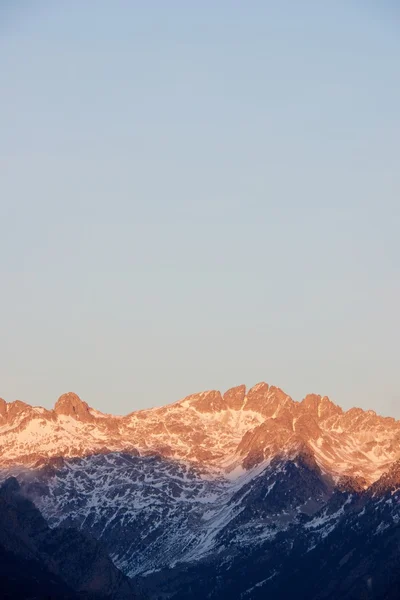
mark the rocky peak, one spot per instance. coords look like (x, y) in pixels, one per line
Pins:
(71, 405)
(234, 397)
(3, 408)
(267, 399)
(357, 420)
(310, 403)
(320, 407)
(329, 408)
(207, 402)
(257, 396)
(17, 410)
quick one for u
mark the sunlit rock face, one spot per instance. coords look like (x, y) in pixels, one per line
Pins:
(210, 429)
(70, 405)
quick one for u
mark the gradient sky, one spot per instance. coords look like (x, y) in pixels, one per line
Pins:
(195, 195)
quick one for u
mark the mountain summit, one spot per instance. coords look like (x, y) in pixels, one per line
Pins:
(222, 432)
(71, 405)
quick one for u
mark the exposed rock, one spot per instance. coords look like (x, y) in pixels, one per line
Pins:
(71, 405)
(208, 402)
(209, 429)
(3, 409)
(234, 397)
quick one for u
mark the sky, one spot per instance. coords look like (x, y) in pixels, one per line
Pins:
(196, 195)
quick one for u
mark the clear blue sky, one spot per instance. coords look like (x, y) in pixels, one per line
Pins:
(195, 195)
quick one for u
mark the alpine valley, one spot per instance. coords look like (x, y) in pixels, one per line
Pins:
(241, 495)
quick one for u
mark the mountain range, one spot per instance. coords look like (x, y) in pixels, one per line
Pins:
(246, 494)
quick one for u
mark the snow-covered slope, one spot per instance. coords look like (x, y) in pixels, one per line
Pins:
(213, 431)
(152, 513)
(177, 528)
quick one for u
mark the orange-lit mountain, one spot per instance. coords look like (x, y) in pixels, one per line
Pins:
(224, 433)
(235, 495)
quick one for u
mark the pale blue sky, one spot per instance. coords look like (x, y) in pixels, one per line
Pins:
(195, 195)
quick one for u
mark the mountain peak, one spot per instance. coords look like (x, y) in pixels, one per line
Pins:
(267, 400)
(71, 405)
(15, 411)
(3, 408)
(234, 397)
(320, 407)
(209, 401)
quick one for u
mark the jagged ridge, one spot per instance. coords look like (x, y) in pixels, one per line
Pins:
(217, 431)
